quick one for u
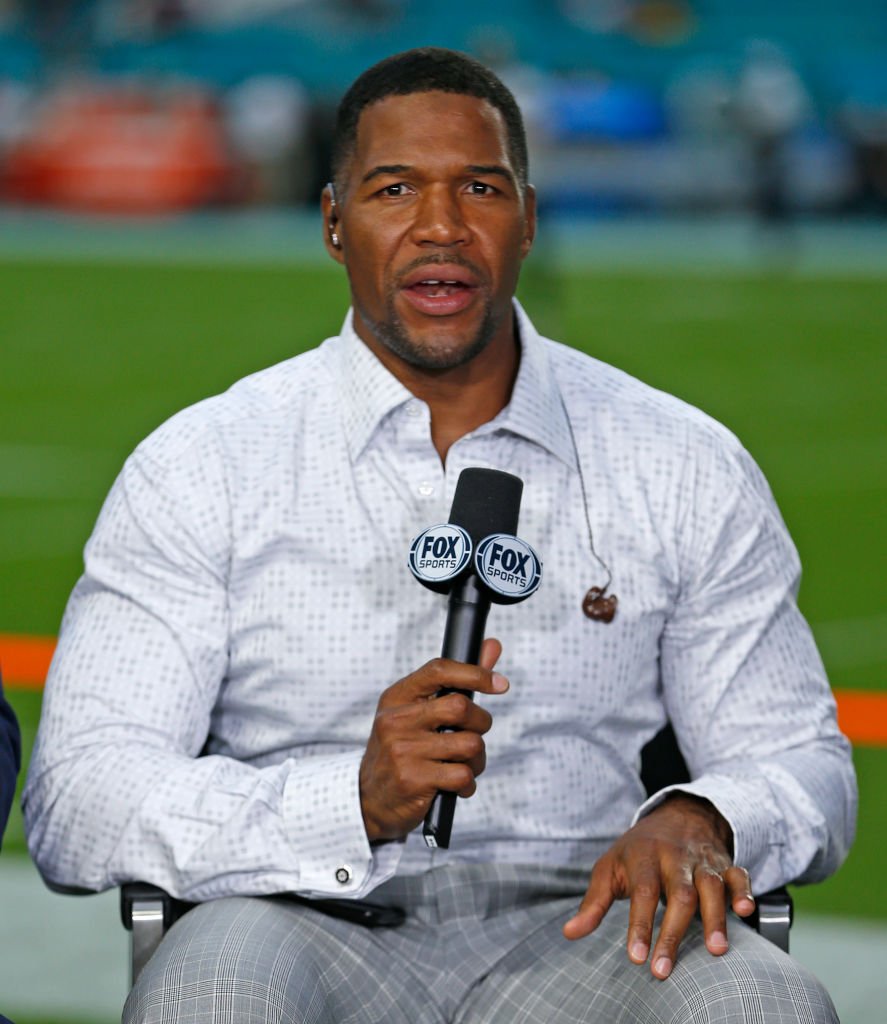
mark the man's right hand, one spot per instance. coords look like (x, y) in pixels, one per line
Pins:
(407, 759)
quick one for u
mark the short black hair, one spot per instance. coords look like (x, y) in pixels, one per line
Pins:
(427, 69)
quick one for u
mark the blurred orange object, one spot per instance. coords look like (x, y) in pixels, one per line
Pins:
(123, 151)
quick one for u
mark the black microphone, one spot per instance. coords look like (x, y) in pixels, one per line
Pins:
(503, 569)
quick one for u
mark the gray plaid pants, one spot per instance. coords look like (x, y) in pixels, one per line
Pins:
(482, 945)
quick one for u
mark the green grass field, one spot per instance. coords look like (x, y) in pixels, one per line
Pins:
(94, 355)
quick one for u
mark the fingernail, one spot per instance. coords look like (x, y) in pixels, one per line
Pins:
(662, 967)
(638, 952)
(718, 940)
(500, 683)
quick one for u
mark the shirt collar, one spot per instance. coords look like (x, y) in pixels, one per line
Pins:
(369, 391)
(536, 411)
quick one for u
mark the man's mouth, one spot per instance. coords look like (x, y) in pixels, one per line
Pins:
(440, 290)
(434, 288)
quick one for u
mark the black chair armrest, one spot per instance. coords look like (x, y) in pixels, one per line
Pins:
(773, 916)
(147, 911)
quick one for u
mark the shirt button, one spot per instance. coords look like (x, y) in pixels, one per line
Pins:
(425, 489)
(343, 874)
(413, 409)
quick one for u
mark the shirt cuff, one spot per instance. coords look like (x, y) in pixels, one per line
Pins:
(322, 812)
(757, 838)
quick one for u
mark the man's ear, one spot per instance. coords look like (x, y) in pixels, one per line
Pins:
(332, 233)
(529, 220)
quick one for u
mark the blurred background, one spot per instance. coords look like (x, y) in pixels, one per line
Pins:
(713, 188)
(151, 106)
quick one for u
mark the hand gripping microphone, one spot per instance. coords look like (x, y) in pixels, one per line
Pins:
(476, 559)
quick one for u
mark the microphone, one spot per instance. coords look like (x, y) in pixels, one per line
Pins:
(504, 570)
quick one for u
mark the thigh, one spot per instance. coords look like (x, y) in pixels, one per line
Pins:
(270, 961)
(547, 978)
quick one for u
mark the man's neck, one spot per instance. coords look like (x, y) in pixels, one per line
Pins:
(461, 401)
(465, 397)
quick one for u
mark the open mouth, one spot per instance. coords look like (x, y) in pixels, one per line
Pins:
(434, 288)
(440, 290)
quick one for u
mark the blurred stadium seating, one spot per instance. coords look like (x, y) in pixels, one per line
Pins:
(633, 104)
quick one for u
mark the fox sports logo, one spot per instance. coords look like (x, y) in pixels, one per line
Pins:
(508, 566)
(440, 553)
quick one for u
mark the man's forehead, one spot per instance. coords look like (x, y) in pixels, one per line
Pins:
(421, 119)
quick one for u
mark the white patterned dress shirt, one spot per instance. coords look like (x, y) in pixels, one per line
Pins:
(246, 596)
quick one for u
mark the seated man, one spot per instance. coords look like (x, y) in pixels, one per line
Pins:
(10, 762)
(10, 759)
(222, 716)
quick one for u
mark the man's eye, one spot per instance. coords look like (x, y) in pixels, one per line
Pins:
(480, 188)
(395, 190)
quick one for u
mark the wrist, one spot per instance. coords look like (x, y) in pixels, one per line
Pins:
(705, 811)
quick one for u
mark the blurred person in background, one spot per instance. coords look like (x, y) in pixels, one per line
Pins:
(771, 104)
(221, 719)
(865, 128)
(10, 763)
(268, 120)
(10, 759)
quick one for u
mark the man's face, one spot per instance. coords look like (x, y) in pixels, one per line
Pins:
(432, 229)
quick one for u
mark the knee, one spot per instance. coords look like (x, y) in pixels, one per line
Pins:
(748, 989)
(225, 963)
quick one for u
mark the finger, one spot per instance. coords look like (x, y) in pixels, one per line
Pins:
(712, 892)
(455, 778)
(490, 652)
(645, 891)
(454, 747)
(681, 902)
(454, 711)
(440, 674)
(597, 901)
(739, 889)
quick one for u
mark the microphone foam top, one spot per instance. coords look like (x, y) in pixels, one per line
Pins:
(486, 501)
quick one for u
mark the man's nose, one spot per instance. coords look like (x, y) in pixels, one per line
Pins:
(440, 219)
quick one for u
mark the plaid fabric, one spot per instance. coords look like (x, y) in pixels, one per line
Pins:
(482, 945)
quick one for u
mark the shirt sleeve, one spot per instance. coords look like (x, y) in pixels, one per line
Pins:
(744, 685)
(117, 790)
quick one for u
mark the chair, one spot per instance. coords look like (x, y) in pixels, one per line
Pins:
(148, 911)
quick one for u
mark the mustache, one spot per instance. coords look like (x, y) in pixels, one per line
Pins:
(437, 259)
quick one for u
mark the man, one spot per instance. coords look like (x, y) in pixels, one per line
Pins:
(10, 758)
(10, 762)
(246, 598)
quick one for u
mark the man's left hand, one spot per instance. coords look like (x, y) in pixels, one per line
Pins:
(682, 851)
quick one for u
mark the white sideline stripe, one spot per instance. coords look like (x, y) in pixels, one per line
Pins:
(53, 471)
(827, 466)
(852, 643)
(713, 245)
(72, 473)
(66, 957)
